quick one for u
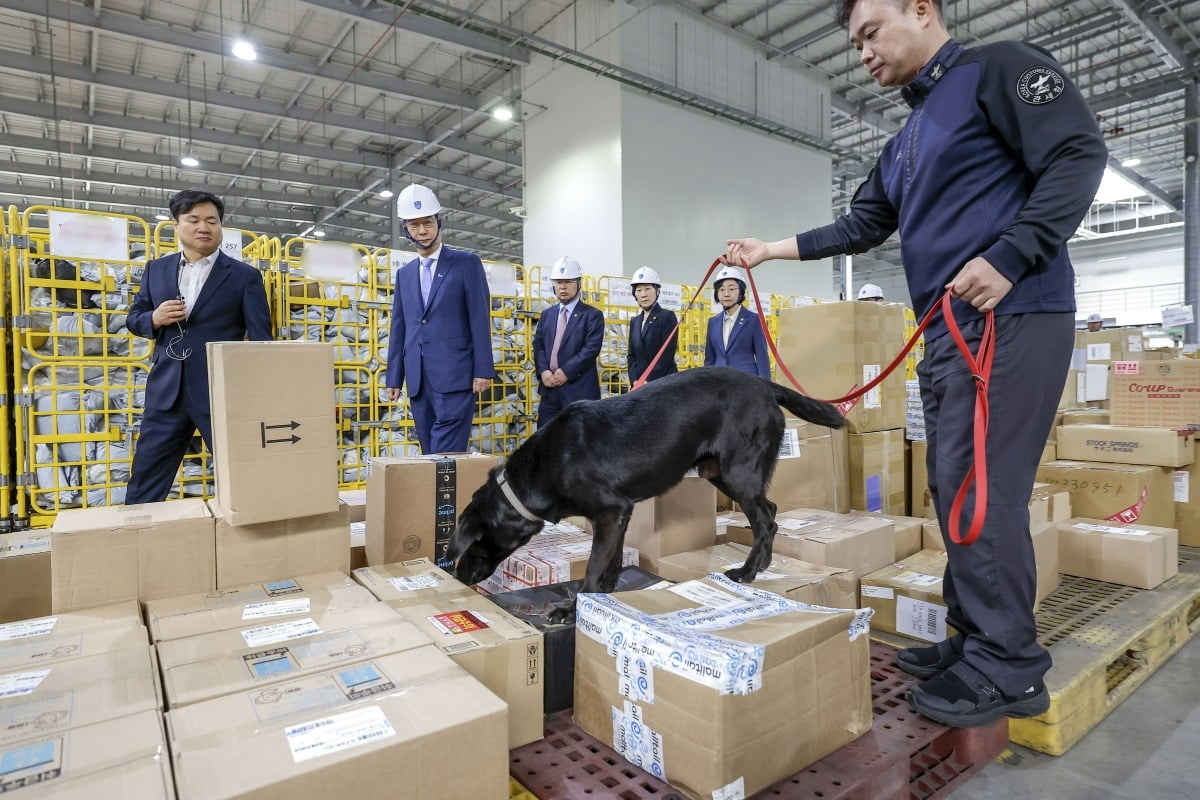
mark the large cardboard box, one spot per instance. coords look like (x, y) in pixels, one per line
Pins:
(255, 603)
(834, 587)
(907, 597)
(842, 347)
(1114, 344)
(813, 470)
(877, 479)
(683, 519)
(1084, 416)
(356, 503)
(501, 651)
(35, 644)
(410, 583)
(274, 433)
(24, 575)
(55, 634)
(768, 686)
(109, 554)
(81, 691)
(1187, 504)
(1163, 394)
(550, 558)
(908, 531)
(920, 499)
(1133, 555)
(1045, 556)
(201, 667)
(413, 504)
(271, 551)
(406, 726)
(1116, 444)
(1117, 492)
(863, 544)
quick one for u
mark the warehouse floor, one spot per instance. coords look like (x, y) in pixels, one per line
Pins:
(1146, 748)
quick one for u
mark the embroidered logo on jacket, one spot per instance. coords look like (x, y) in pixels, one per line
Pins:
(1040, 85)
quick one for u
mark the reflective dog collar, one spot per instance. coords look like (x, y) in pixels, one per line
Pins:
(502, 479)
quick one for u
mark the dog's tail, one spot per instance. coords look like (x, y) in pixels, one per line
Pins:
(807, 408)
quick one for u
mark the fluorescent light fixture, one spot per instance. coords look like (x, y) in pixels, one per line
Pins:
(1132, 162)
(386, 193)
(1114, 188)
(319, 233)
(244, 49)
(161, 217)
(502, 113)
(189, 160)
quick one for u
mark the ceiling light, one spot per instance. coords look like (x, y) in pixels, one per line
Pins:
(189, 160)
(161, 217)
(1114, 189)
(319, 233)
(502, 113)
(1131, 162)
(244, 49)
(386, 193)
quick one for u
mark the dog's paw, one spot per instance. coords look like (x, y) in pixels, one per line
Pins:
(741, 574)
(563, 613)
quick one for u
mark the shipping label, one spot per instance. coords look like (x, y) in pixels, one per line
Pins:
(27, 628)
(920, 620)
(276, 608)
(1182, 479)
(17, 684)
(412, 583)
(339, 732)
(880, 592)
(280, 632)
(1084, 526)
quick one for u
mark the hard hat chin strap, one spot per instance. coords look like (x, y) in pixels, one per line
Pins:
(407, 235)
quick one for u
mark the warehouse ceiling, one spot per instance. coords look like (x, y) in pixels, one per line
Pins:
(350, 98)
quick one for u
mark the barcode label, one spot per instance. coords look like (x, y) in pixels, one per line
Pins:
(1083, 526)
(411, 583)
(27, 628)
(872, 398)
(16, 684)
(276, 608)
(280, 632)
(917, 579)
(882, 592)
(920, 620)
(1181, 486)
(790, 446)
(340, 732)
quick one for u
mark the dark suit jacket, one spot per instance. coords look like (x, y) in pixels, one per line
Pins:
(747, 346)
(231, 307)
(451, 336)
(645, 338)
(576, 355)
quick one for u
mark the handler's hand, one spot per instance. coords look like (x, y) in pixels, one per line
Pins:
(748, 253)
(980, 284)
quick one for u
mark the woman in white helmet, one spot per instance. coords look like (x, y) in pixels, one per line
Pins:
(735, 337)
(649, 329)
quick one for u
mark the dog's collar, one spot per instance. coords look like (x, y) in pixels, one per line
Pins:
(502, 479)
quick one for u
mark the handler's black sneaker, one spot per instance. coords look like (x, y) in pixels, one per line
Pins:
(962, 697)
(926, 662)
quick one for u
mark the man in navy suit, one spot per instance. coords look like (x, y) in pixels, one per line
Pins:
(566, 344)
(440, 342)
(649, 329)
(735, 337)
(187, 300)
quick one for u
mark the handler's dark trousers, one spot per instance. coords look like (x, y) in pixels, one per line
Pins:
(989, 586)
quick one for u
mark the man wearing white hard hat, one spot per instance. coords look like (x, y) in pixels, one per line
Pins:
(1095, 322)
(566, 344)
(870, 292)
(649, 329)
(440, 344)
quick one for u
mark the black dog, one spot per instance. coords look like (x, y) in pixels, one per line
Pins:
(597, 458)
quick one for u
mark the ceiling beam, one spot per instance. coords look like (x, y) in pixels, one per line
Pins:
(1159, 40)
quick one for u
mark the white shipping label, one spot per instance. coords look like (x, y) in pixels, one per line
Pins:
(794, 524)
(1081, 387)
(723, 521)
(278, 608)
(735, 790)
(1134, 343)
(870, 373)
(790, 446)
(27, 628)
(1181, 485)
(882, 592)
(339, 732)
(920, 620)
(1101, 351)
(917, 579)
(16, 684)
(411, 583)
(705, 595)
(1083, 526)
(280, 632)
(635, 678)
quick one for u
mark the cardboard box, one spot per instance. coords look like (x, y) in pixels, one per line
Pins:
(1116, 492)
(535, 604)
(877, 479)
(908, 531)
(1116, 444)
(38, 643)
(1069, 398)
(272, 551)
(1045, 556)
(813, 470)
(1187, 504)
(1113, 344)
(25, 588)
(274, 434)
(411, 583)
(202, 667)
(501, 651)
(683, 519)
(413, 504)
(843, 346)
(110, 554)
(262, 603)
(81, 691)
(550, 558)
(920, 499)
(784, 690)
(356, 503)
(863, 544)
(833, 587)
(1132, 555)
(1084, 416)
(1162, 394)
(1049, 503)
(907, 597)
(406, 726)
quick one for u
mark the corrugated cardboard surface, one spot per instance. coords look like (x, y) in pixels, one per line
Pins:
(406, 726)
(813, 470)
(1134, 493)
(1131, 555)
(877, 479)
(68, 694)
(920, 499)
(908, 531)
(356, 502)
(683, 519)
(502, 652)
(812, 695)
(839, 346)
(1116, 444)
(24, 575)
(222, 609)
(1045, 556)
(798, 580)
(863, 544)
(273, 551)
(35, 644)
(202, 667)
(550, 558)
(1086, 416)
(1187, 504)
(1163, 394)
(907, 597)
(274, 433)
(402, 499)
(21, 632)
(110, 554)
(1114, 344)
(412, 582)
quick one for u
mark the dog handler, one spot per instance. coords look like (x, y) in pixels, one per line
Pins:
(990, 175)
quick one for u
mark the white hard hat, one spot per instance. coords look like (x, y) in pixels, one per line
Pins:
(417, 201)
(730, 272)
(1095, 318)
(645, 275)
(870, 291)
(566, 269)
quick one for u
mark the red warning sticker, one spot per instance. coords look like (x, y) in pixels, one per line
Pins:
(453, 622)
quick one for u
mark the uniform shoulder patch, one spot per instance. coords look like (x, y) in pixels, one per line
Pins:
(1039, 85)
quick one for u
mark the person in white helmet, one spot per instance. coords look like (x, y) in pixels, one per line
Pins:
(649, 329)
(870, 292)
(735, 337)
(566, 344)
(1095, 322)
(440, 343)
